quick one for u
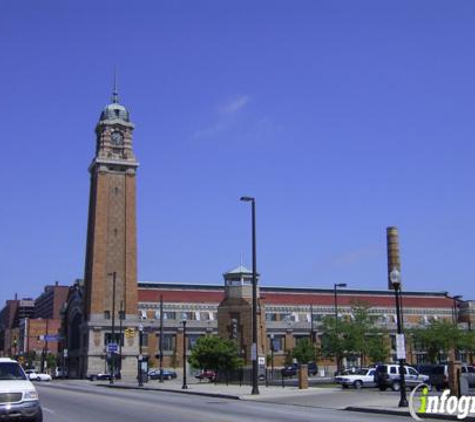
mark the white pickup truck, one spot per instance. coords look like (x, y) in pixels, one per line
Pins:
(363, 377)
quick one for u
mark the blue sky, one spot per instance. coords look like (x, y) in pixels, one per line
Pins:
(340, 117)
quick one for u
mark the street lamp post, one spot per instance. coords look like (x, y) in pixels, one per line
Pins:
(111, 352)
(184, 386)
(160, 341)
(335, 295)
(456, 317)
(254, 351)
(395, 278)
(121, 318)
(140, 355)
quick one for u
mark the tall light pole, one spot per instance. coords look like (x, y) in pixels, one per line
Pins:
(335, 296)
(114, 277)
(140, 355)
(160, 341)
(185, 385)
(272, 349)
(395, 278)
(313, 337)
(255, 349)
(121, 318)
(456, 317)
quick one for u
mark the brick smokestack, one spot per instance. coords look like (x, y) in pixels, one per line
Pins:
(394, 260)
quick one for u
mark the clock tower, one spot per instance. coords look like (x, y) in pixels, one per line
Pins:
(110, 282)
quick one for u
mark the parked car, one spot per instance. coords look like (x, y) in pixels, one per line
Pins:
(439, 374)
(292, 370)
(19, 398)
(34, 375)
(60, 372)
(363, 377)
(387, 376)
(207, 375)
(168, 374)
(101, 377)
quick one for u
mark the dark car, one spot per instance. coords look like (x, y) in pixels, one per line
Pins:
(292, 370)
(439, 374)
(167, 374)
(207, 375)
(101, 377)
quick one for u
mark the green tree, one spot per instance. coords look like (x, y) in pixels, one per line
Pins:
(377, 349)
(215, 353)
(332, 344)
(289, 359)
(439, 337)
(304, 351)
(355, 336)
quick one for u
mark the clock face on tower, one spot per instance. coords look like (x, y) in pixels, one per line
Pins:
(117, 138)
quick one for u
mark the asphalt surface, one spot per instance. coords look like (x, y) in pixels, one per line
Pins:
(88, 402)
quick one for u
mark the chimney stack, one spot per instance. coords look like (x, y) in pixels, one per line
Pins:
(394, 260)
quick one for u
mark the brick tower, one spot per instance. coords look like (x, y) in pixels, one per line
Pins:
(235, 314)
(110, 282)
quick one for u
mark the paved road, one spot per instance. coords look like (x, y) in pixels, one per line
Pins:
(88, 402)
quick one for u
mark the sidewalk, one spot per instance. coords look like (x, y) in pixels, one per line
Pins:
(367, 400)
(231, 391)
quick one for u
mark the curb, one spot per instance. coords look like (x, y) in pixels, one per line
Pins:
(405, 414)
(167, 390)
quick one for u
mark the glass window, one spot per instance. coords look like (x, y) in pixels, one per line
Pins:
(168, 342)
(169, 315)
(188, 316)
(144, 339)
(118, 338)
(270, 316)
(287, 317)
(278, 343)
(192, 339)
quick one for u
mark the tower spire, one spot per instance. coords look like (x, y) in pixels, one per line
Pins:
(115, 92)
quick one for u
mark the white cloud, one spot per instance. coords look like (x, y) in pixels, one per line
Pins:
(227, 115)
(234, 105)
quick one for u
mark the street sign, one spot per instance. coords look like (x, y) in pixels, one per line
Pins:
(51, 337)
(65, 353)
(112, 347)
(129, 332)
(400, 346)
